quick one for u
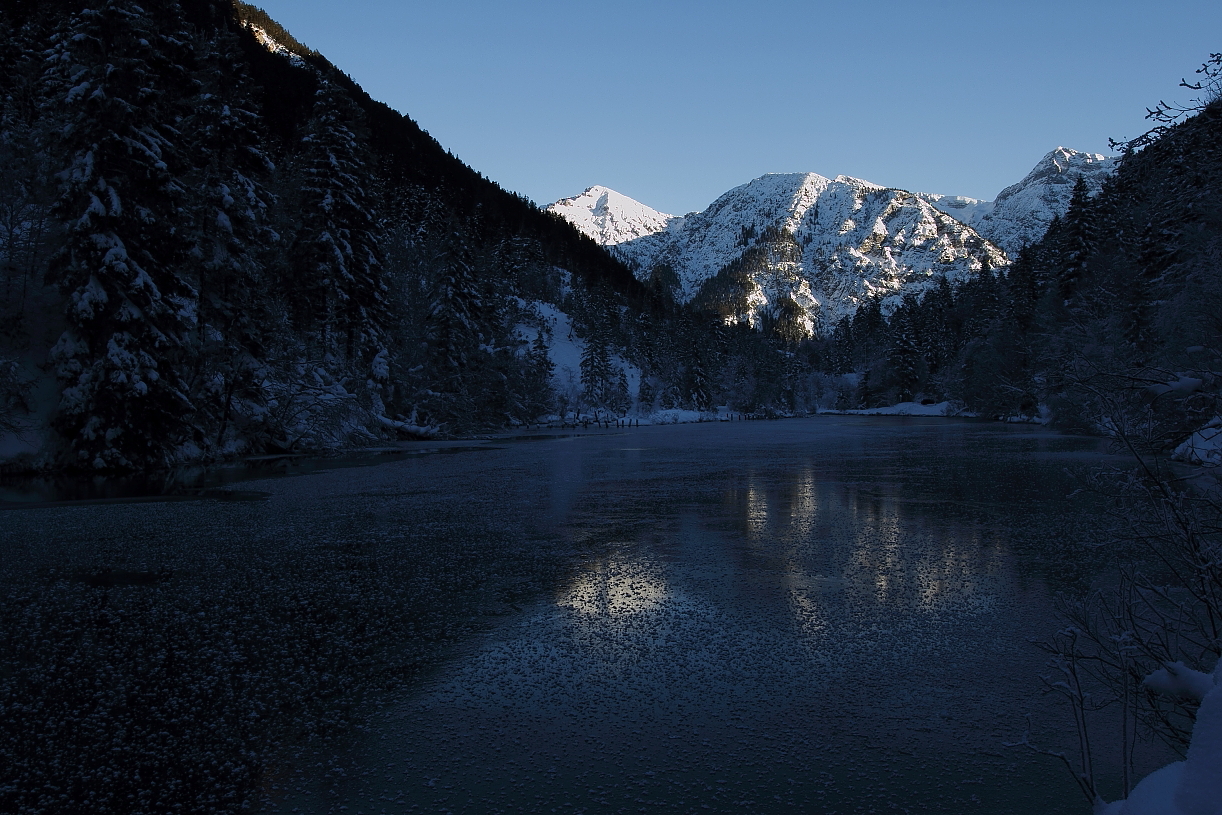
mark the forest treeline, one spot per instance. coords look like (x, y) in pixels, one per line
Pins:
(1115, 313)
(209, 248)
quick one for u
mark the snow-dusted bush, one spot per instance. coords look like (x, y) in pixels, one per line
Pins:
(1148, 649)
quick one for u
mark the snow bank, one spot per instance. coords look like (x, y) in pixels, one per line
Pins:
(1192, 786)
(677, 416)
(907, 409)
(1202, 447)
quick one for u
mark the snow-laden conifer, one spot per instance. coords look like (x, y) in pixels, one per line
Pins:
(228, 236)
(337, 248)
(114, 74)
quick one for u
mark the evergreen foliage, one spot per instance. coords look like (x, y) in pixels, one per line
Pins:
(119, 75)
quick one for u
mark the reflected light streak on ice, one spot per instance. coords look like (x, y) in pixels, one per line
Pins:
(616, 586)
(757, 512)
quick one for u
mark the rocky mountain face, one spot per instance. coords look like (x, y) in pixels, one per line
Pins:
(1022, 212)
(802, 243)
(820, 247)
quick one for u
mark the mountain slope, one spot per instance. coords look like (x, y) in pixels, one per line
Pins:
(310, 268)
(824, 245)
(1022, 212)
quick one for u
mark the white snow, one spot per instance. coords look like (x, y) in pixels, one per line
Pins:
(611, 218)
(565, 351)
(1204, 446)
(855, 239)
(271, 44)
(852, 240)
(906, 409)
(1022, 212)
(1192, 786)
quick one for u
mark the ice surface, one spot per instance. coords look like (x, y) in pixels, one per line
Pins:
(749, 617)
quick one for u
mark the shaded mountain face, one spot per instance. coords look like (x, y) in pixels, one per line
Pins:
(1022, 212)
(217, 243)
(813, 247)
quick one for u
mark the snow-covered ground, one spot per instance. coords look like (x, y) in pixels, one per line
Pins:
(565, 349)
(907, 409)
(1204, 446)
(1192, 786)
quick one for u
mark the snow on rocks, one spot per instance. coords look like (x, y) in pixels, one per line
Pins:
(852, 239)
(1022, 212)
(834, 243)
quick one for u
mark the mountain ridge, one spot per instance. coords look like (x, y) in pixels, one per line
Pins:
(856, 239)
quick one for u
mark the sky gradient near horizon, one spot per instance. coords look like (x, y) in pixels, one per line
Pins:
(674, 103)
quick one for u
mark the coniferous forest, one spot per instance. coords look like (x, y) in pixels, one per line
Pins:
(211, 249)
(214, 248)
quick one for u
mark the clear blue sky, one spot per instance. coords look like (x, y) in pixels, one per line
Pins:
(673, 103)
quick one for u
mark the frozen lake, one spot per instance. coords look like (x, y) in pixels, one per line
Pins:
(830, 614)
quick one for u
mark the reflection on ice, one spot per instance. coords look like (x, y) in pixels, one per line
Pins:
(614, 586)
(896, 556)
(759, 625)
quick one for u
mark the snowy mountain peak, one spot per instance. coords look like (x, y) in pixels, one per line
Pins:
(828, 245)
(858, 182)
(611, 218)
(1022, 212)
(1061, 168)
(791, 239)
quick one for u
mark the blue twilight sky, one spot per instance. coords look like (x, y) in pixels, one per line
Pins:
(673, 103)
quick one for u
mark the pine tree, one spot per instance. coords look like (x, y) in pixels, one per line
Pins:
(541, 393)
(118, 80)
(453, 330)
(337, 248)
(1077, 237)
(904, 355)
(230, 206)
(597, 374)
(26, 194)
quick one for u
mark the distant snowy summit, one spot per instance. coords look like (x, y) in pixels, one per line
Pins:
(802, 243)
(611, 218)
(796, 243)
(1022, 212)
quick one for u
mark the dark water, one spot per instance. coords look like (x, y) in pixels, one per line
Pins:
(824, 615)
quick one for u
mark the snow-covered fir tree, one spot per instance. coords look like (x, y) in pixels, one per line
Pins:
(337, 247)
(115, 76)
(229, 235)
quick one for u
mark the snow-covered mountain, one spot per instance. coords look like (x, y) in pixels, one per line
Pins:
(827, 245)
(612, 218)
(1022, 212)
